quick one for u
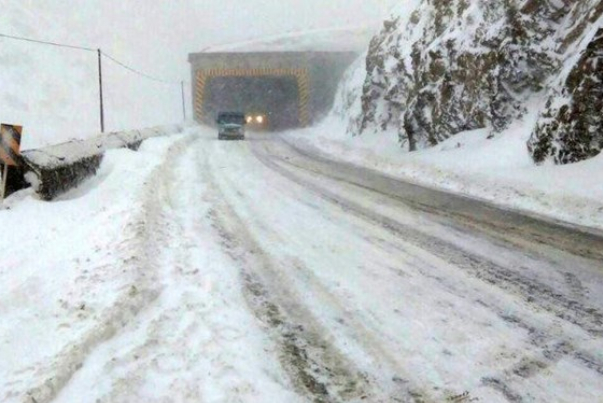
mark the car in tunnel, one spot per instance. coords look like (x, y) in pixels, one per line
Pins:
(231, 126)
(257, 120)
(270, 103)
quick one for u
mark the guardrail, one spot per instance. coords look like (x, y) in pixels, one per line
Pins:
(54, 170)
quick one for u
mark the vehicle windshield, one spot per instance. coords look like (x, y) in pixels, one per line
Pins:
(231, 118)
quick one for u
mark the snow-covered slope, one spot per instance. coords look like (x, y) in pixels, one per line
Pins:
(453, 66)
(54, 92)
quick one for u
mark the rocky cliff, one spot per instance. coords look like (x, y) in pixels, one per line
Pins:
(571, 126)
(458, 65)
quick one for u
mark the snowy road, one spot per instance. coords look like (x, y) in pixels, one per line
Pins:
(430, 295)
(276, 276)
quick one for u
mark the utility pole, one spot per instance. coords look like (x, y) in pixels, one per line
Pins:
(4, 179)
(100, 86)
(183, 100)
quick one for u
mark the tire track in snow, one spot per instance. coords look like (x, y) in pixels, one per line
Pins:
(571, 309)
(60, 370)
(588, 318)
(473, 213)
(551, 347)
(316, 367)
(196, 342)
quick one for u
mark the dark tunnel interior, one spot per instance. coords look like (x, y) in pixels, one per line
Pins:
(275, 97)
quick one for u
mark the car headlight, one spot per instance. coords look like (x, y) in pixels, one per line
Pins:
(249, 119)
(259, 119)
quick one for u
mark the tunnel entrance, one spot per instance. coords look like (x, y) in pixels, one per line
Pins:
(275, 98)
(282, 96)
(296, 88)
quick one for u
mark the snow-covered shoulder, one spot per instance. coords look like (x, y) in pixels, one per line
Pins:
(497, 169)
(68, 280)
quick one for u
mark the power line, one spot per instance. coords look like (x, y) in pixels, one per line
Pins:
(100, 53)
(87, 49)
(60, 45)
(140, 73)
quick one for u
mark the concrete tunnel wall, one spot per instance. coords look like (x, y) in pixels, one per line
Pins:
(323, 71)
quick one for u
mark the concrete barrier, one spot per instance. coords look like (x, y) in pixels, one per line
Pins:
(56, 169)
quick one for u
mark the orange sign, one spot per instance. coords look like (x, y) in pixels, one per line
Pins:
(10, 143)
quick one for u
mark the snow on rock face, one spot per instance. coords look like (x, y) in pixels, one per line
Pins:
(459, 65)
(572, 130)
(456, 66)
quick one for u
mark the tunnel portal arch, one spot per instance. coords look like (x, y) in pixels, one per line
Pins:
(317, 75)
(300, 75)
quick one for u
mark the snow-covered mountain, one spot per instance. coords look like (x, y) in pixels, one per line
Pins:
(438, 68)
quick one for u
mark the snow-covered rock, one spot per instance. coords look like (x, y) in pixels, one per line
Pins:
(451, 66)
(571, 127)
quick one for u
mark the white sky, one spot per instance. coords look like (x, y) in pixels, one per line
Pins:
(195, 24)
(39, 83)
(165, 31)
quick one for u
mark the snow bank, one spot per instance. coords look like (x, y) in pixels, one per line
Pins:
(498, 170)
(70, 283)
(56, 169)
